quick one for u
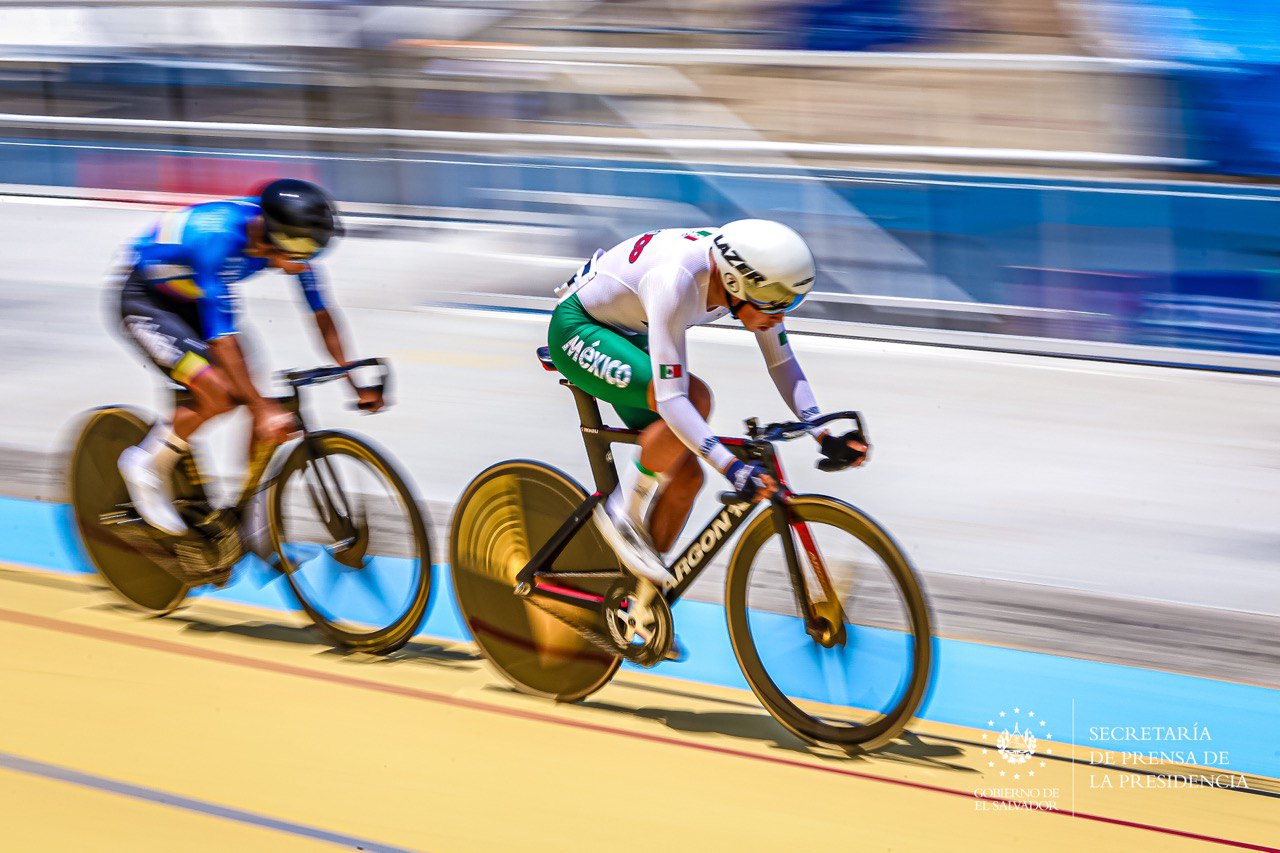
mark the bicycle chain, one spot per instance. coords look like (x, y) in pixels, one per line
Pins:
(617, 576)
(194, 568)
(635, 654)
(602, 642)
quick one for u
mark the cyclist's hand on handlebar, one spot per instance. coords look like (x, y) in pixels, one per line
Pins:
(272, 424)
(750, 481)
(843, 451)
(370, 399)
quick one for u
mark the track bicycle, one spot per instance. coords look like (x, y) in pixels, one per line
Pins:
(342, 525)
(826, 617)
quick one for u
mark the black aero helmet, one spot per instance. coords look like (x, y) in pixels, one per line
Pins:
(300, 218)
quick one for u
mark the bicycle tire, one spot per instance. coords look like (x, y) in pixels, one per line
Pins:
(130, 567)
(503, 517)
(383, 638)
(819, 509)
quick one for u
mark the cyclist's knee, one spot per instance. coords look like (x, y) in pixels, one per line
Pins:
(686, 475)
(700, 396)
(212, 393)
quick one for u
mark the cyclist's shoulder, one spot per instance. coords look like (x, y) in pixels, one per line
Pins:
(681, 253)
(218, 227)
(682, 237)
(701, 234)
(666, 247)
(222, 218)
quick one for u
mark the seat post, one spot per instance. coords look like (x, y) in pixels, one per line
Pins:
(599, 454)
(588, 406)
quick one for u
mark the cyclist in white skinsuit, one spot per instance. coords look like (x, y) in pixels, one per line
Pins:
(619, 333)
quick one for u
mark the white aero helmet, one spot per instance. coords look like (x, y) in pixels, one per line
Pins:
(764, 263)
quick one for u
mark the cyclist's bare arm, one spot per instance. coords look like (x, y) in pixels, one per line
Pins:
(327, 324)
(330, 335)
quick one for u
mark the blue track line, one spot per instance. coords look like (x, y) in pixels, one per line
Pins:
(111, 786)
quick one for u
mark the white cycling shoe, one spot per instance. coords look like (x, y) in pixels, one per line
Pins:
(150, 495)
(631, 545)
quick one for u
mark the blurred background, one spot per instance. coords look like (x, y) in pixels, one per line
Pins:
(984, 183)
(993, 179)
(1066, 175)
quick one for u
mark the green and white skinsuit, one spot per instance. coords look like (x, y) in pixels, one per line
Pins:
(622, 322)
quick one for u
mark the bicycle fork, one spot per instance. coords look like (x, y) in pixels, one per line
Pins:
(824, 618)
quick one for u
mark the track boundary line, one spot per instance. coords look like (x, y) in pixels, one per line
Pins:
(58, 773)
(170, 647)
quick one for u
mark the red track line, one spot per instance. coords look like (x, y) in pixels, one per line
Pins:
(108, 635)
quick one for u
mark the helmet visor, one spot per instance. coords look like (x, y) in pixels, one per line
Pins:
(774, 298)
(296, 248)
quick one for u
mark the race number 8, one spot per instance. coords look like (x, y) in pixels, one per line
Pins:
(639, 247)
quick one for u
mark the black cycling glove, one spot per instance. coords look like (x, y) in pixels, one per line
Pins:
(837, 453)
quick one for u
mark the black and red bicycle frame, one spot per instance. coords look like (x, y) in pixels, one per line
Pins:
(538, 575)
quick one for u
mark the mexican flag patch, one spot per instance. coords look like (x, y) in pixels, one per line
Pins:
(669, 371)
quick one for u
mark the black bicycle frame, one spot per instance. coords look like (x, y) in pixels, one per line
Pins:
(598, 439)
(292, 403)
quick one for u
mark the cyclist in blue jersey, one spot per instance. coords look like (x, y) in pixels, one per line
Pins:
(178, 305)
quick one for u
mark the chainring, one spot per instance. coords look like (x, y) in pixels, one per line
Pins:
(643, 632)
(210, 549)
(618, 610)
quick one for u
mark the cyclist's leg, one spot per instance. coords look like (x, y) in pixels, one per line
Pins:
(617, 369)
(614, 368)
(166, 336)
(211, 396)
(671, 507)
(168, 340)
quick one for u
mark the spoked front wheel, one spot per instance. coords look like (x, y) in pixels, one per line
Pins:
(351, 540)
(851, 669)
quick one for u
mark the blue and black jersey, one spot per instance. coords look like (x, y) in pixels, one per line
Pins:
(195, 256)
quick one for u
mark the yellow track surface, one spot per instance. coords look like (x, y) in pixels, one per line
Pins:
(223, 728)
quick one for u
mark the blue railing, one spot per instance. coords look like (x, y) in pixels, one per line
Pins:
(1174, 264)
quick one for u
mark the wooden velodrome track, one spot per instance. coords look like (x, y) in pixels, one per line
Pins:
(222, 727)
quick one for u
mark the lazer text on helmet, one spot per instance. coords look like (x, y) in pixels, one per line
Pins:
(735, 260)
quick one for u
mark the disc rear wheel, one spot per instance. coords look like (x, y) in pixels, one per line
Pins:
(118, 542)
(503, 518)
